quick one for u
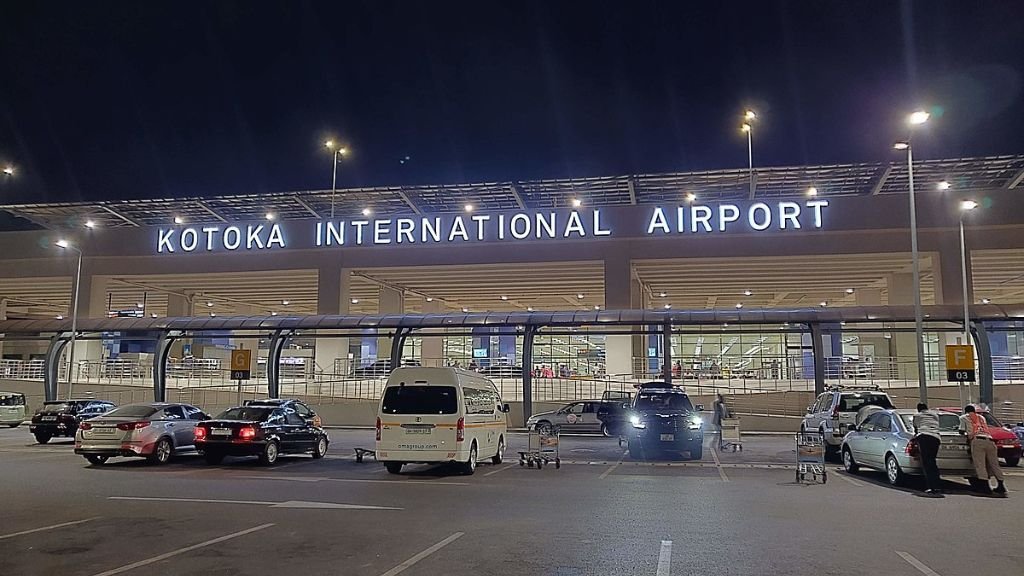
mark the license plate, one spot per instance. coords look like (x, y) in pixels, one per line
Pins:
(417, 430)
(102, 431)
(48, 418)
(220, 432)
(954, 448)
(668, 437)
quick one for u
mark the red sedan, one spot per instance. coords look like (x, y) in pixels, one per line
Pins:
(1007, 443)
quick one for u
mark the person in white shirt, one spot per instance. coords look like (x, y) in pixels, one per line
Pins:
(926, 428)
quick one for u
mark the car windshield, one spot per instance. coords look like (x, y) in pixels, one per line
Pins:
(134, 411)
(991, 420)
(11, 399)
(947, 422)
(663, 401)
(855, 401)
(246, 413)
(420, 400)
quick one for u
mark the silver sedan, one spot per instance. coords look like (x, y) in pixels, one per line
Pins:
(154, 431)
(884, 441)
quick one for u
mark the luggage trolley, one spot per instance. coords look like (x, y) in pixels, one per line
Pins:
(810, 457)
(542, 449)
(730, 435)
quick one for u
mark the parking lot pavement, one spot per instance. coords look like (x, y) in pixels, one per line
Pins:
(600, 513)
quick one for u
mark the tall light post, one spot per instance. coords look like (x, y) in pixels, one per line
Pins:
(916, 119)
(748, 118)
(64, 244)
(965, 207)
(339, 151)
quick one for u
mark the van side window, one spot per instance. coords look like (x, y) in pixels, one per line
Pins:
(478, 401)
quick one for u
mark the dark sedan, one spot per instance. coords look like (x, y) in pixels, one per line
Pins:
(61, 418)
(262, 431)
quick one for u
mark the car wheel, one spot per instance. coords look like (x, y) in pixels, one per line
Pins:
(270, 453)
(15, 425)
(469, 467)
(635, 452)
(697, 451)
(848, 463)
(893, 473)
(213, 458)
(501, 451)
(606, 431)
(96, 459)
(544, 427)
(1012, 462)
(43, 438)
(320, 450)
(393, 467)
(161, 452)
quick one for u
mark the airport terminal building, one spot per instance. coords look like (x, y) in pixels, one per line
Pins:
(807, 238)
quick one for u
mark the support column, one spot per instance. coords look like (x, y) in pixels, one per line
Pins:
(3, 316)
(180, 306)
(666, 336)
(432, 348)
(984, 373)
(818, 349)
(333, 297)
(948, 272)
(92, 303)
(904, 345)
(621, 292)
(528, 337)
(390, 301)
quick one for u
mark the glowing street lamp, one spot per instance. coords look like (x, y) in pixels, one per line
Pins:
(65, 245)
(749, 116)
(339, 152)
(9, 170)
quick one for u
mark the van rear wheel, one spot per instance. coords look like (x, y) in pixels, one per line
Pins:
(393, 467)
(469, 466)
(501, 451)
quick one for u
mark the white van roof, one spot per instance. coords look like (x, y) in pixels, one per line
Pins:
(438, 375)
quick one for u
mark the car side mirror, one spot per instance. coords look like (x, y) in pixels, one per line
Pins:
(700, 407)
(506, 408)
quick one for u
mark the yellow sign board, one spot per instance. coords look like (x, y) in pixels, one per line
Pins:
(241, 364)
(960, 363)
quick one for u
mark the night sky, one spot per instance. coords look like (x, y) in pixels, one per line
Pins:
(108, 100)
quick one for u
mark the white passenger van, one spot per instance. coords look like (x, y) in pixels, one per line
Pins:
(434, 415)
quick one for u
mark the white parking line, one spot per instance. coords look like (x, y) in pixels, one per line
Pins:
(613, 466)
(917, 564)
(408, 563)
(356, 480)
(288, 504)
(179, 551)
(23, 532)
(718, 464)
(503, 468)
(665, 558)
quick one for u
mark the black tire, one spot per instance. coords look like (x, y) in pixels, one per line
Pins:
(320, 448)
(893, 473)
(697, 451)
(606, 431)
(469, 466)
(543, 427)
(213, 457)
(270, 453)
(831, 452)
(42, 437)
(393, 467)
(162, 452)
(500, 454)
(14, 425)
(1012, 462)
(635, 452)
(96, 459)
(849, 463)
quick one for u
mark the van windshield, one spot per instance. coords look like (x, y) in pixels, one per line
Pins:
(7, 399)
(420, 400)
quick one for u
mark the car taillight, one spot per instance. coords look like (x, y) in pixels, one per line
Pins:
(247, 433)
(85, 426)
(378, 429)
(200, 433)
(133, 425)
(913, 449)
(460, 430)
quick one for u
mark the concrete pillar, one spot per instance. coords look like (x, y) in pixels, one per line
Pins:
(903, 344)
(948, 273)
(432, 349)
(333, 297)
(3, 316)
(180, 305)
(621, 292)
(389, 301)
(869, 296)
(92, 303)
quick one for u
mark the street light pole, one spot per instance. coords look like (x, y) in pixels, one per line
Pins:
(922, 380)
(338, 153)
(965, 207)
(74, 313)
(749, 116)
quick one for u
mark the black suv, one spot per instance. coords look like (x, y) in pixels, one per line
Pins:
(662, 419)
(61, 418)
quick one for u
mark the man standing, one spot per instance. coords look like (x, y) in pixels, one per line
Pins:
(721, 413)
(983, 450)
(926, 428)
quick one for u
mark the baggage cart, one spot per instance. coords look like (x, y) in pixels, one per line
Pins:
(730, 435)
(810, 457)
(542, 449)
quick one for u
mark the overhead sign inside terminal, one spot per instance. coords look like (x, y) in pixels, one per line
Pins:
(519, 226)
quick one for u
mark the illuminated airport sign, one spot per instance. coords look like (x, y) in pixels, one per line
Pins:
(691, 219)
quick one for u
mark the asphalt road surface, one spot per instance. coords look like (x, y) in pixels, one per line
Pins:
(599, 514)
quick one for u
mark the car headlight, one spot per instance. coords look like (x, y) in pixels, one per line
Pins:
(696, 423)
(637, 422)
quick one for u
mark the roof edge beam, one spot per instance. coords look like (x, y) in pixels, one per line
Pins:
(408, 201)
(119, 215)
(631, 184)
(210, 211)
(882, 179)
(518, 195)
(306, 205)
(1016, 180)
